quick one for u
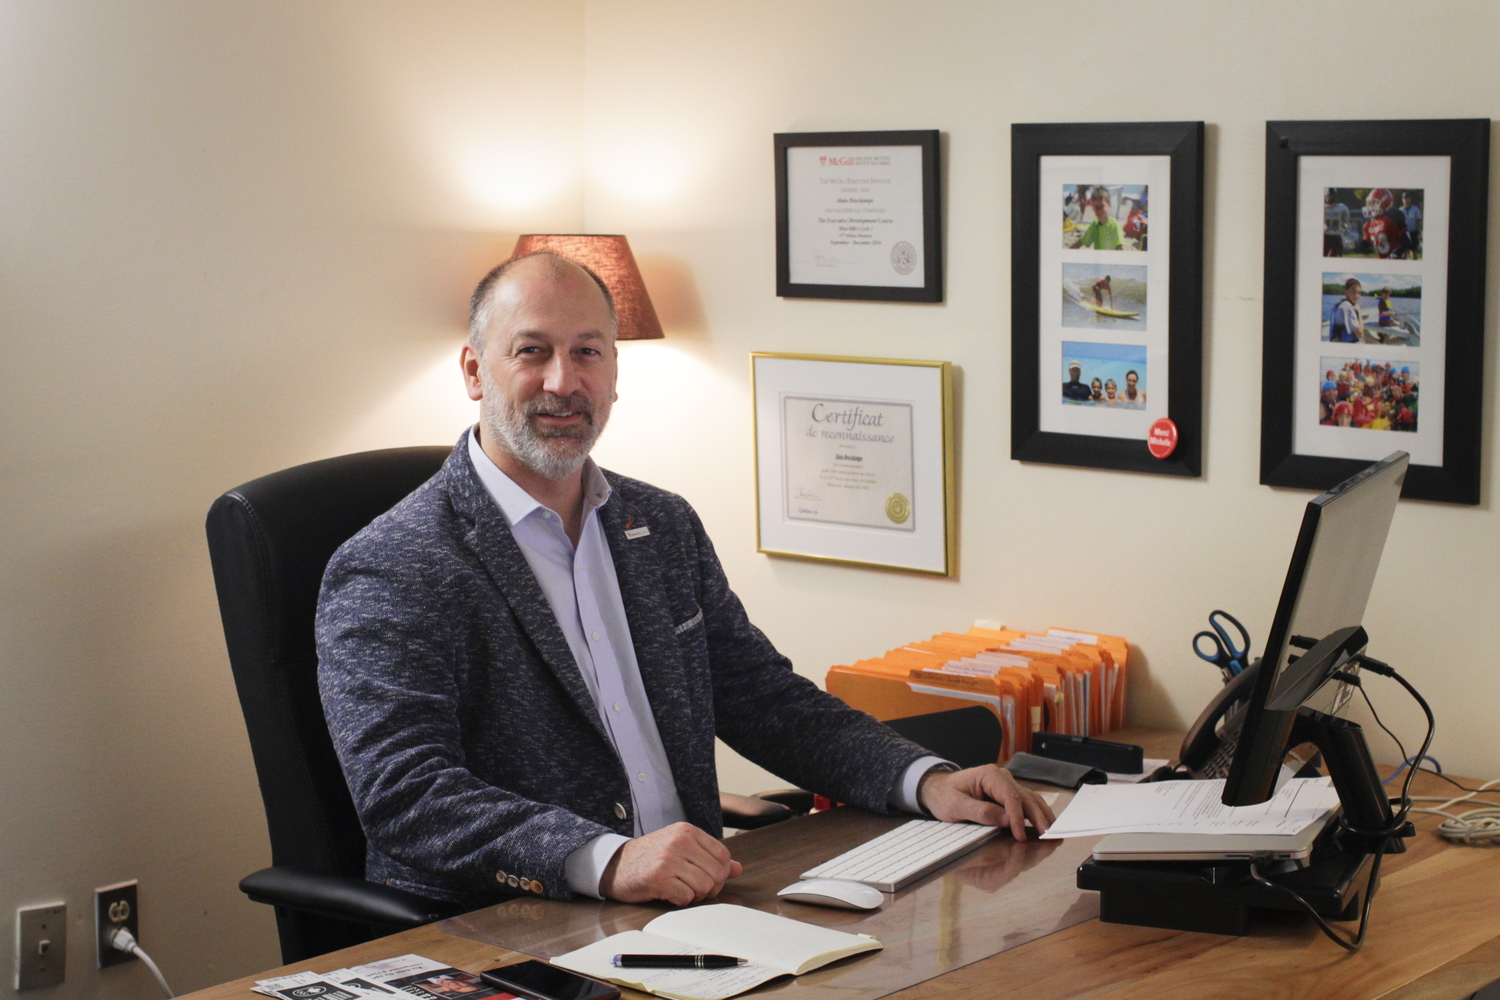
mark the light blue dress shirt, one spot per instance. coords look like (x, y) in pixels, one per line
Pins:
(584, 593)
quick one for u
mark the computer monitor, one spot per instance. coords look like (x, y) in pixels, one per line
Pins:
(1327, 586)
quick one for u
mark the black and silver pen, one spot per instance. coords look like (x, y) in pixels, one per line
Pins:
(676, 961)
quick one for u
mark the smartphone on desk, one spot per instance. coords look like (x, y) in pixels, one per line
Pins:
(540, 981)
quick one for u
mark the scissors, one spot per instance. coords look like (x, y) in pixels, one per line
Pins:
(1225, 656)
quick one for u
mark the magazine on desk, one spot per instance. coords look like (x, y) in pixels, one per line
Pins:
(385, 980)
(773, 945)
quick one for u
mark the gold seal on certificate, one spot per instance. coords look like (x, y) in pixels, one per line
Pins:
(848, 461)
(897, 508)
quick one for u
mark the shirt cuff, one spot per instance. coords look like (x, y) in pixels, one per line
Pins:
(904, 793)
(585, 866)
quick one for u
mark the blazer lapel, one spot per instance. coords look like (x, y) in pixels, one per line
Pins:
(490, 538)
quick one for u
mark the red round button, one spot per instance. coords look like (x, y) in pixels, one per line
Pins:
(1162, 439)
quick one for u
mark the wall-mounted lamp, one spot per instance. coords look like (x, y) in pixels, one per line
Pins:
(610, 258)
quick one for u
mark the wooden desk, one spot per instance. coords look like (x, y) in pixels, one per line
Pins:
(1435, 935)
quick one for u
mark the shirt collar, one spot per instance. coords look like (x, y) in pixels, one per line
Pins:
(514, 502)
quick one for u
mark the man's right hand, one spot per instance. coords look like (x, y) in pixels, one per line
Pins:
(679, 863)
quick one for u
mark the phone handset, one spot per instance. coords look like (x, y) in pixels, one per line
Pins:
(1209, 745)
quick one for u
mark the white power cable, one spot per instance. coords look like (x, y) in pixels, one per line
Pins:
(122, 940)
(1472, 826)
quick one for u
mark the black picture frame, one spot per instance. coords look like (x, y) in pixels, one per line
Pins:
(1467, 143)
(931, 289)
(1183, 143)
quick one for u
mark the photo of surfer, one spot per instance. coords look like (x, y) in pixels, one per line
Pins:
(1369, 394)
(1107, 375)
(1373, 222)
(1104, 216)
(1111, 295)
(1372, 309)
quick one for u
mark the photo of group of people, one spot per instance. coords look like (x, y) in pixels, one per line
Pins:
(1373, 222)
(1112, 375)
(1104, 294)
(1104, 216)
(1369, 395)
(1372, 309)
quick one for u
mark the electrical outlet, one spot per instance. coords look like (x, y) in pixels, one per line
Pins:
(41, 945)
(114, 907)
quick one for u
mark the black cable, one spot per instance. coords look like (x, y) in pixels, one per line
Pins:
(1378, 836)
(1464, 788)
(1376, 715)
(1399, 820)
(1358, 941)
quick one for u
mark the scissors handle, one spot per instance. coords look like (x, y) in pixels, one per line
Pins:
(1240, 655)
(1218, 657)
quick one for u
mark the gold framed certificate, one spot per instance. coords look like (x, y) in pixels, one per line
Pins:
(854, 460)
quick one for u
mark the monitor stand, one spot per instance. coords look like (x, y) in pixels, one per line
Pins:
(1218, 898)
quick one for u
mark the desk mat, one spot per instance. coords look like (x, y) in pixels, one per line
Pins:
(998, 897)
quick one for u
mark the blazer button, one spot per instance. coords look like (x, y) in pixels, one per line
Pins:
(500, 877)
(512, 881)
(620, 812)
(536, 887)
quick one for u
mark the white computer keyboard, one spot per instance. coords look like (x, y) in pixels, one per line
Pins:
(898, 858)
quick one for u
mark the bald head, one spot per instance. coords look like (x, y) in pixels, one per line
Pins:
(544, 265)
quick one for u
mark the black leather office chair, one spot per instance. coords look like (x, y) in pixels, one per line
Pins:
(270, 541)
(967, 736)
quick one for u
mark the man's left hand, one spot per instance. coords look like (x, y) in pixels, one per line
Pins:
(987, 795)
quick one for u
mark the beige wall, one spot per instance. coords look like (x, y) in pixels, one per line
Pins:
(1142, 556)
(233, 237)
(237, 236)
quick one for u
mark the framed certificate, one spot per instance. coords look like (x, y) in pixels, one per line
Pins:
(854, 460)
(857, 216)
(1374, 304)
(1107, 295)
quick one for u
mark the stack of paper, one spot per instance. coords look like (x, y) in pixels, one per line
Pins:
(1061, 680)
(1191, 807)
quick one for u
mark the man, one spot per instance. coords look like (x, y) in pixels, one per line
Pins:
(1412, 213)
(1335, 224)
(1101, 288)
(524, 664)
(1104, 233)
(1074, 391)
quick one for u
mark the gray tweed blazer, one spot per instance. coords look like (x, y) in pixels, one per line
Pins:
(477, 760)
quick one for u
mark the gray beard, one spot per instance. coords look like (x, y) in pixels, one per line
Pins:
(553, 455)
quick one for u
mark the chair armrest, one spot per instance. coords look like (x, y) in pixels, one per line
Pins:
(798, 801)
(342, 897)
(745, 812)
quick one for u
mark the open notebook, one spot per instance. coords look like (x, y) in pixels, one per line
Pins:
(774, 946)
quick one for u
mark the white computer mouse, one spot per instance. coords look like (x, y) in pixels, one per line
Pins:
(838, 892)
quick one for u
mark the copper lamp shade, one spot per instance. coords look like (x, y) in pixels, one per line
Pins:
(610, 258)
